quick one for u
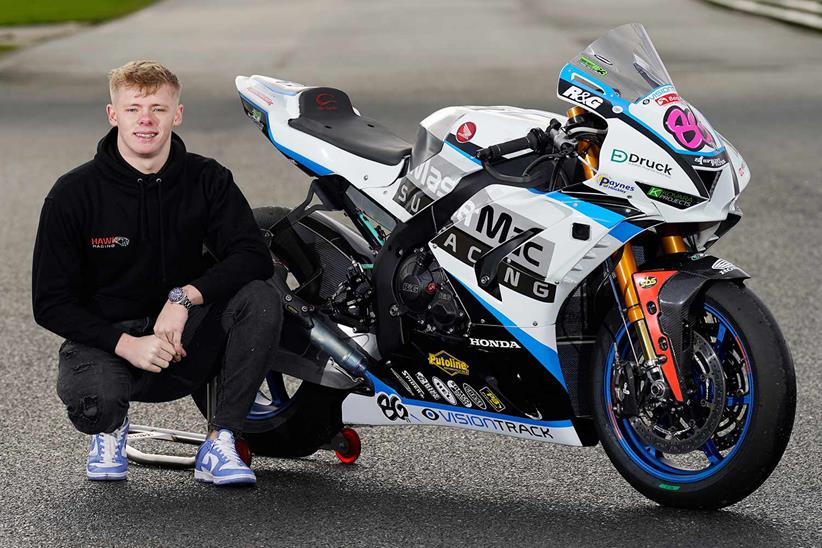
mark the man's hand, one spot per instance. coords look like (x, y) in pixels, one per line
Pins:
(149, 353)
(169, 327)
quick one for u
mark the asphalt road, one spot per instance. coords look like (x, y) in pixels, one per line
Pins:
(758, 82)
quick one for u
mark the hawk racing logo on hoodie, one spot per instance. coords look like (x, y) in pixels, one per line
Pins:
(109, 241)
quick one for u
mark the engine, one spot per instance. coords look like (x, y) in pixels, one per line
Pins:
(426, 293)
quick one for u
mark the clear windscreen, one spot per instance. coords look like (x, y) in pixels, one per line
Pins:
(626, 60)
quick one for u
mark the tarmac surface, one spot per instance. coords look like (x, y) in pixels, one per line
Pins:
(757, 81)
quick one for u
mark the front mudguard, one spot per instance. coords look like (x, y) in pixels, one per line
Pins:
(685, 278)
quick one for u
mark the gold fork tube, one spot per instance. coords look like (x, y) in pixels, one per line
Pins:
(625, 269)
(587, 151)
(671, 241)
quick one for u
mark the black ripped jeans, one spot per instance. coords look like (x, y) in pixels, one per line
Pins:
(236, 341)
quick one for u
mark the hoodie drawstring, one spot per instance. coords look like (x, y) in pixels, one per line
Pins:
(143, 220)
(141, 213)
(162, 230)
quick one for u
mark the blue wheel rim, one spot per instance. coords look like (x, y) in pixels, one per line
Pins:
(650, 460)
(276, 404)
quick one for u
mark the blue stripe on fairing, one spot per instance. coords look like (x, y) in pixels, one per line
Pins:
(609, 94)
(546, 355)
(313, 166)
(380, 386)
(458, 149)
(618, 227)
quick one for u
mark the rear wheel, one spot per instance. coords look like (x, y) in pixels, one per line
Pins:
(289, 418)
(737, 417)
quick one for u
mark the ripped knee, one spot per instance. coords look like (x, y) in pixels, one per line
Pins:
(91, 414)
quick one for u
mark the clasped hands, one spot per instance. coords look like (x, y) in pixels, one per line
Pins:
(155, 352)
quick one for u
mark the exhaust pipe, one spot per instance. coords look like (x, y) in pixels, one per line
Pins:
(344, 354)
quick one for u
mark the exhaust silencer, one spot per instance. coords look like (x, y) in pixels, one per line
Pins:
(344, 354)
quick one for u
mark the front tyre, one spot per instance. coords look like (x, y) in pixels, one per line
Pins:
(759, 403)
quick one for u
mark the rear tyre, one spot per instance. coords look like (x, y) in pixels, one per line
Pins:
(756, 423)
(290, 418)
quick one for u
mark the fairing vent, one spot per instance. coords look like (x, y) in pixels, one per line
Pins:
(709, 178)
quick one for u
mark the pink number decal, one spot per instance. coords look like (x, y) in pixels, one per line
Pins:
(686, 129)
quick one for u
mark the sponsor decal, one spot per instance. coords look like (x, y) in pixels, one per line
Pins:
(392, 407)
(488, 423)
(466, 132)
(428, 387)
(584, 98)
(411, 198)
(714, 161)
(402, 382)
(606, 182)
(454, 387)
(491, 343)
(511, 275)
(686, 129)
(620, 157)
(473, 395)
(660, 92)
(431, 179)
(492, 399)
(448, 363)
(672, 198)
(443, 390)
(494, 225)
(723, 266)
(584, 61)
(259, 94)
(109, 242)
(667, 99)
(430, 414)
(648, 281)
(407, 376)
(742, 169)
(326, 101)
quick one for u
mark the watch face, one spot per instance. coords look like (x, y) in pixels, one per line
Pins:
(176, 295)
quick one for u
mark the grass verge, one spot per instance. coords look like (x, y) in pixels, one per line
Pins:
(15, 12)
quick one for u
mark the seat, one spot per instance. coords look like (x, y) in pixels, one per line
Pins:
(327, 114)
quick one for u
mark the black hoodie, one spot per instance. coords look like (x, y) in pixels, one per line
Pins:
(113, 241)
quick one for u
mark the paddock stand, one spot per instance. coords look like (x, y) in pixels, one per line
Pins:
(346, 444)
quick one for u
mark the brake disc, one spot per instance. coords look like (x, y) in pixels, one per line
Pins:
(681, 427)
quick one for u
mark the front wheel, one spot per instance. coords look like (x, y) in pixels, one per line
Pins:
(742, 389)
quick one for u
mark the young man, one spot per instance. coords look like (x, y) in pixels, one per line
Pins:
(119, 273)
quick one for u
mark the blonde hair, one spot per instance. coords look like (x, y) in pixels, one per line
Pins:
(147, 76)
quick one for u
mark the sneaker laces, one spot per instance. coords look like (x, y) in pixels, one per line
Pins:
(224, 444)
(110, 443)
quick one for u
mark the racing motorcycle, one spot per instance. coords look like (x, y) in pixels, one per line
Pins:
(528, 274)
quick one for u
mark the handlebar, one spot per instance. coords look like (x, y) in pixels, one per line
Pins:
(537, 140)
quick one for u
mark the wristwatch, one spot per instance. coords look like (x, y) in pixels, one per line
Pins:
(178, 296)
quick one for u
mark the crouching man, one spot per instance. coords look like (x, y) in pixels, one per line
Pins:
(118, 272)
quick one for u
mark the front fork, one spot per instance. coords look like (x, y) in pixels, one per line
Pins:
(626, 271)
(627, 277)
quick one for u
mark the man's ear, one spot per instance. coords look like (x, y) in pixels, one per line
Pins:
(178, 116)
(112, 115)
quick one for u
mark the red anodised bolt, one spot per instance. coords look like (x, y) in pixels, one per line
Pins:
(431, 288)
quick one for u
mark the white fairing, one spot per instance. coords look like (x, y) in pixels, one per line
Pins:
(367, 410)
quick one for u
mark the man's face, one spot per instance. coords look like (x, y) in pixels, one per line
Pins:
(144, 122)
